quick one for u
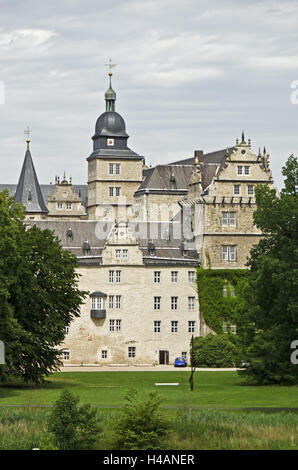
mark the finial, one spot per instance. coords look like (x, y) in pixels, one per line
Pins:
(259, 154)
(227, 152)
(264, 152)
(110, 95)
(110, 65)
(249, 142)
(27, 131)
(242, 138)
(237, 141)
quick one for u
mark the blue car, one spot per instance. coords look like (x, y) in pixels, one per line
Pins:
(180, 362)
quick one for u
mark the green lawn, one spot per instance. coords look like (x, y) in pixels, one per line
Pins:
(212, 389)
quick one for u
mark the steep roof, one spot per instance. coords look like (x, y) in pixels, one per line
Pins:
(48, 189)
(28, 191)
(210, 163)
(166, 177)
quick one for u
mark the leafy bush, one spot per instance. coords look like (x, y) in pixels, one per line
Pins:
(214, 351)
(141, 425)
(73, 427)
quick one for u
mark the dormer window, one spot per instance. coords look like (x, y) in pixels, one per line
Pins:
(184, 249)
(69, 234)
(29, 195)
(86, 248)
(151, 249)
(68, 206)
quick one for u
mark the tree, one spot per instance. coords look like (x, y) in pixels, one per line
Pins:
(141, 425)
(268, 318)
(73, 427)
(214, 351)
(39, 295)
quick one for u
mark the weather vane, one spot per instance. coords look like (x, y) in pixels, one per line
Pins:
(27, 131)
(110, 65)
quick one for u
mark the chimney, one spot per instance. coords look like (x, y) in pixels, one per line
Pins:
(199, 155)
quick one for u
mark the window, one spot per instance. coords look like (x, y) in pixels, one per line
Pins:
(157, 303)
(97, 303)
(118, 276)
(246, 170)
(131, 351)
(104, 354)
(174, 276)
(191, 303)
(117, 192)
(111, 191)
(225, 327)
(111, 301)
(111, 276)
(236, 188)
(225, 291)
(66, 330)
(59, 205)
(65, 355)
(228, 219)
(157, 324)
(191, 326)
(117, 168)
(184, 355)
(118, 301)
(250, 189)
(157, 276)
(174, 326)
(228, 253)
(121, 253)
(174, 303)
(111, 169)
(115, 325)
(191, 276)
(68, 206)
(239, 170)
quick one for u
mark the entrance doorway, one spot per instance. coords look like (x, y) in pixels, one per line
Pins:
(164, 357)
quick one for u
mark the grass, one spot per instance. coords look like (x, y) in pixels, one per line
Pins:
(24, 428)
(212, 389)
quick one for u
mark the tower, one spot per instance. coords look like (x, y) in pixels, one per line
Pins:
(28, 191)
(114, 170)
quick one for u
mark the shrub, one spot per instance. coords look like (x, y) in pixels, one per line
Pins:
(141, 425)
(214, 351)
(73, 426)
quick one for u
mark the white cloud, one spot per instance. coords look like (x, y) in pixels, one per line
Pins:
(189, 75)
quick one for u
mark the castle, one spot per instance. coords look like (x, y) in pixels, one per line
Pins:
(139, 235)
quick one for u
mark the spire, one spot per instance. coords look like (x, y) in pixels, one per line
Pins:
(28, 191)
(243, 138)
(110, 95)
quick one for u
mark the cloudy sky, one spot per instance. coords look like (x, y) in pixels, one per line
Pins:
(190, 75)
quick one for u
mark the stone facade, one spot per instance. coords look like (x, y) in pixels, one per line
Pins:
(139, 235)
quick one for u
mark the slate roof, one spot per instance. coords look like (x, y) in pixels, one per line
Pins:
(166, 178)
(48, 189)
(210, 163)
(28, 190)
(166, 238)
